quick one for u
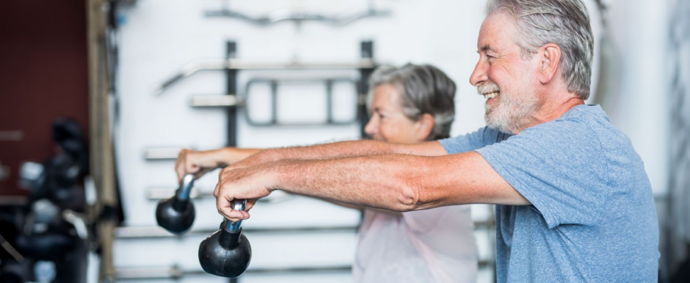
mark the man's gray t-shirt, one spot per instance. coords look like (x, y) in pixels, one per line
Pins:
(592, 217)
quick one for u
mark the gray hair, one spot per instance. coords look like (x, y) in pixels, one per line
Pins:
(423, 89)
(563, 22)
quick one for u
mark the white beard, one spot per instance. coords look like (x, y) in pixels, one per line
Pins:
(512, 113)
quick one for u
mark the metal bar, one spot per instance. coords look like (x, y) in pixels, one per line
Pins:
(238, 64)
(274, 108)
(231, 87)
(153, 272)
(367, 53)
(329, 102)
(138, 273)
(158, 232)
(175, 272)
(224, 100)
(10, 249)
(161, 153)
(139, 232)
(282, 15)
(165, 193)
(159, 193)
(300, 124)
(274, 102)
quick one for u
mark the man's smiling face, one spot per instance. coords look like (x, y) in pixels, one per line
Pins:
(504, 76)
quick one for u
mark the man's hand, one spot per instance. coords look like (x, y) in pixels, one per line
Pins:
(195, 162)
(250, 183)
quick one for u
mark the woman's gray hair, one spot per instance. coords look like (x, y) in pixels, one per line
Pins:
(563, 22)
(424, 89)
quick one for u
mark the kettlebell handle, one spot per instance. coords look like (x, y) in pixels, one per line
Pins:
(240, 204)
(185, 187)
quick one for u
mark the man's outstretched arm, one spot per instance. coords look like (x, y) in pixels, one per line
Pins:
(200, 162)
(397, 182)
(342, 149)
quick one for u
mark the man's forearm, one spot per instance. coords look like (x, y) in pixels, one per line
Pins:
(380, 181)
(230, 155)
(398, 182)
(349, 149)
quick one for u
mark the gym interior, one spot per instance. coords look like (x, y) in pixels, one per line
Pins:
(98, 97)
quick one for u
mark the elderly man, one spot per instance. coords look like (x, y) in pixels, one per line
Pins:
(574, 203)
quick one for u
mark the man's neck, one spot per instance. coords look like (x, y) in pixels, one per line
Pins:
(552, 111)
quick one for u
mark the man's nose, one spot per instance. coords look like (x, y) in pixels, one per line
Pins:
(479, 74)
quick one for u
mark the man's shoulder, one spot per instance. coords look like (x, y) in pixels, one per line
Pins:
(592, 120)
(583, 123)
(590, 117)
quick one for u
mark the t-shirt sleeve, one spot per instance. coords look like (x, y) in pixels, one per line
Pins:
(472, 141)
(559, 167)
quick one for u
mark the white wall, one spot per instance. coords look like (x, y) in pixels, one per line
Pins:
(157, 37)
(640, 30)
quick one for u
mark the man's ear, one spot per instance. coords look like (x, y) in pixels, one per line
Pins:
(425, 125)
(550, 57)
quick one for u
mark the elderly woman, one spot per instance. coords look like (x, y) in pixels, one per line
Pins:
(411, 104)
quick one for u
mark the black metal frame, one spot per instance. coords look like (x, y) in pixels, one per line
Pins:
(274, 83)
(231, 87)
(366, 51)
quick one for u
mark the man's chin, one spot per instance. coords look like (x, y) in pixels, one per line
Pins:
(493, 124)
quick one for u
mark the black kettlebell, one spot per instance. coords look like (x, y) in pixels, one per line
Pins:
(226, 252)
(177, 213)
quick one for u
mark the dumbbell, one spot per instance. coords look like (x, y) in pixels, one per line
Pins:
(226, 252)
(177, 213)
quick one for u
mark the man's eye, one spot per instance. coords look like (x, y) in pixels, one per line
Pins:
(490, 58)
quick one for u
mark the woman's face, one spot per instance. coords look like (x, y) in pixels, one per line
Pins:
(389, 123)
